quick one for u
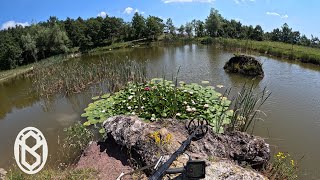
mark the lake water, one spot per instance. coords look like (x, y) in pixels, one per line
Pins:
(293, 117)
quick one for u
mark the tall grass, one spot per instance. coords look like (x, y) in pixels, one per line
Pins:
(277, 49)
(246, 107)
(75, 76)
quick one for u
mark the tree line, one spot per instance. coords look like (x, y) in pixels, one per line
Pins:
(25, 45)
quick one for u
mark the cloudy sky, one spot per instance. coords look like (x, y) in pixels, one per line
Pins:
(300, 15)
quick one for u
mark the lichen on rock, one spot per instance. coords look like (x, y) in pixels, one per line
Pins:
(229, 149)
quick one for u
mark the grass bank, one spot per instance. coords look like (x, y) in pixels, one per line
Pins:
(26, 69)
(277, 49)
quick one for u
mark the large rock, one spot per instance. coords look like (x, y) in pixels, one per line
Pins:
(245, 65)
(228, 150)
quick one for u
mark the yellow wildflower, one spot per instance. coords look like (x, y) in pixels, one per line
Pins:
(292, 162)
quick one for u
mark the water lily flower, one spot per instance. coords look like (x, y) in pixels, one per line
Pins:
(220, 86)
(206, 106)
(130, 97)
(178, 114)
(147, 88)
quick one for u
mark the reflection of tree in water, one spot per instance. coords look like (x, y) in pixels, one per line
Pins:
(16, 94)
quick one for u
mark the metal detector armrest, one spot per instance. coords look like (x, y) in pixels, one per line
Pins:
(196, 169)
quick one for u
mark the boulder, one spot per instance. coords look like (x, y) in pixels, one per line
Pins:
(229, 150)
(245, 65)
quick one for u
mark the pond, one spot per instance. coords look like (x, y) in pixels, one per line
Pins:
(293, 117)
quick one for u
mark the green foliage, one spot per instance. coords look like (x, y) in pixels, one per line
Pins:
(77, 137)
(246, 108)
(159, 98)
(155, 27)
(282, 167)
(70, 174)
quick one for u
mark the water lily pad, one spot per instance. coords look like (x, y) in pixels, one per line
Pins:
(95, 98)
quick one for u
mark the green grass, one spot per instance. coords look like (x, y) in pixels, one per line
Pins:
(277, 49)
(22, 70)
(70, 174)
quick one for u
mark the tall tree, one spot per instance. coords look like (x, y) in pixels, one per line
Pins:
(138, 25)
(188, 29)
(213, 22)
(170, 27)
(181, 30)
(155, 27)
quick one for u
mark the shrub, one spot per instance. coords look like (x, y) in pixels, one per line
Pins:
(160, 98)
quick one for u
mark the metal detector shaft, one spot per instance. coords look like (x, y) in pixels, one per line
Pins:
(162, 170)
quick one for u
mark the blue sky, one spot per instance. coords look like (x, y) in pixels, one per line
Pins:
(300, 15)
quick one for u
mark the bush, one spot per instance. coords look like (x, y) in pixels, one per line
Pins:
(160, 98)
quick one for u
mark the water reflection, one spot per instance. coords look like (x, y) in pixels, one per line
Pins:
(292, 123)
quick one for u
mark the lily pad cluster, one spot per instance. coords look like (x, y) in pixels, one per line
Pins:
(159, 98)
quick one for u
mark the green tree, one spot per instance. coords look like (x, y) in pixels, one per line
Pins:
(29, 47)
(139, 26)
(181, 30)
(188, 29)
(213, 22)
(170, 27)
(155, 27)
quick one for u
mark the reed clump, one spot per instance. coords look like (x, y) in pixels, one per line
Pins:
(75, 76)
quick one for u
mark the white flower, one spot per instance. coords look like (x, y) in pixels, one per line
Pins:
(124, 101)
(103, 111)
(142, 107)
(220, 86)
(185, 90)
(152, 119)
(133, 113)
(189, 109)
(191, 92)
(206, 105)
(143, 98)
(178, 114)
(193, 109)
(136, 107)
(129, 107)
(192, 101)
(130, 97)
(185, 102)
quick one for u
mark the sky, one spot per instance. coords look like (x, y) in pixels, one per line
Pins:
(300, 15)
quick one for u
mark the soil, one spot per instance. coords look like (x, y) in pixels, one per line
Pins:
(107, 158)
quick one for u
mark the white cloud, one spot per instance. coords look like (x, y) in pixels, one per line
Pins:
(128, 10)
(183, 1)
(242, 1)
(102, 14)
(285, 16)
(10, 24)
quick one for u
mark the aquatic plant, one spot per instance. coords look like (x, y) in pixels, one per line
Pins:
(75, 76)
(159, 98)
(282, 167)
(246, 107)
